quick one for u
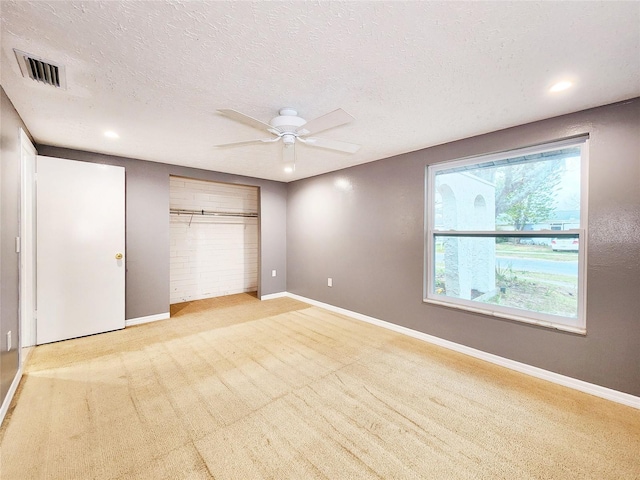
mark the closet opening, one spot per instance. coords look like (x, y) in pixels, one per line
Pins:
(214, 239)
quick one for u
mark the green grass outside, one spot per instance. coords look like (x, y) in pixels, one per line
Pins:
(535, 291)
(540, 252)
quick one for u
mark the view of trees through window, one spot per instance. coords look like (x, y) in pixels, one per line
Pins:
(478, 209)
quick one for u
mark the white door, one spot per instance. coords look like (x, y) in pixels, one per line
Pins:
(80, 249)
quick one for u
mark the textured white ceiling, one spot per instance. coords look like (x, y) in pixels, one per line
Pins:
(414, 74)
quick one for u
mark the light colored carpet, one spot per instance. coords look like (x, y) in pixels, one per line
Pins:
(235, 388)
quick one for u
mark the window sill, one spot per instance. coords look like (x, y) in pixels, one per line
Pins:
(508, 316)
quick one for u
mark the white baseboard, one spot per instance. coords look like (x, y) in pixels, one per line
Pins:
(581, 385)
(147, 319)
(10, 393)
(271, 296)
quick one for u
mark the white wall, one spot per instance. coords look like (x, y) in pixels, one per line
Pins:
(212, 256)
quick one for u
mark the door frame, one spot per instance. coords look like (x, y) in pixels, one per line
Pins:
(27, 245)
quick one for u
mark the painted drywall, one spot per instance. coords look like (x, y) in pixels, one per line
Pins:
(364, 228)
(147, 227)
(10, 125)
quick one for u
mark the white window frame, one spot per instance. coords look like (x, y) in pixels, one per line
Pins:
(574, 325)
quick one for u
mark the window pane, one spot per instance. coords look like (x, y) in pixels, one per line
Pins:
(524, 273)
(526, 193)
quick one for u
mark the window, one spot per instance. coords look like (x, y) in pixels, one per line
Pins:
(505, 234)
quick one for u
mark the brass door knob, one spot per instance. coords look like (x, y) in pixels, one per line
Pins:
(119, 256)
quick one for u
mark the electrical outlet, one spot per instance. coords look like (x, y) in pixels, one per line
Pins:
(329, 282)
(273, 273)
(9, 341)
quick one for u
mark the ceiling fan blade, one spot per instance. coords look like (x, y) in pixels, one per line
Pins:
(331, 144)
(248, 142)
(289, 154)
(246, 119)
(325, 122)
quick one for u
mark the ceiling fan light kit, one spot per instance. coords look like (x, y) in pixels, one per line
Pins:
(289, 127)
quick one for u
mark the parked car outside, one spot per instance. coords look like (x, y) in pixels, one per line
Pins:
(565, 245)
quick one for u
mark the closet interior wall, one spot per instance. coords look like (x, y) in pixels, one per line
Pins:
(214, 239)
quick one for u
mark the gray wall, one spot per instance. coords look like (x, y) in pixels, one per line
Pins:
(10, 125)
(147, 227)
(369, 239)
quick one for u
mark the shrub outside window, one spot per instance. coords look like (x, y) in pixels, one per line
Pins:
(505, 234)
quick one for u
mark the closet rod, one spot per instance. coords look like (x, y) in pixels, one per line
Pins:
(178, 211)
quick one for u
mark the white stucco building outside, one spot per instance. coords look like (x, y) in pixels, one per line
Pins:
(467, 202)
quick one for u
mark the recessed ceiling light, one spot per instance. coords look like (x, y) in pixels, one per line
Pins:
(111, 134)
(558, 87)
(288, 169)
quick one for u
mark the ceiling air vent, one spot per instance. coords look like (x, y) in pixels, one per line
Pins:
(41, 70)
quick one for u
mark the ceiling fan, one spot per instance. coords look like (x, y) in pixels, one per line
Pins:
(290, 128)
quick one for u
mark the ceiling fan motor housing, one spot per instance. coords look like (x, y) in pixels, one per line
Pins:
(287, 123)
